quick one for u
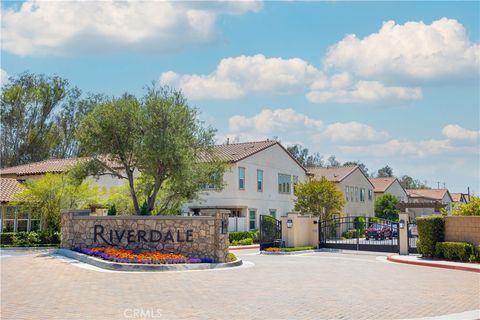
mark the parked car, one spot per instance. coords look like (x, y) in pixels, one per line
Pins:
(378, 232)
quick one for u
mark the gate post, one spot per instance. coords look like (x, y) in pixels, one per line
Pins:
(403, 233)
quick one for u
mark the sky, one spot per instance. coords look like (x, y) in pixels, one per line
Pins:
(384, 83)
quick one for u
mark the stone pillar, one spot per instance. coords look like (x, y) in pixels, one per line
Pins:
(403, 233)
(221, 236)
(66, 229)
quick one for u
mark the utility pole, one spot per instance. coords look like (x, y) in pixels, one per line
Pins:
(438, 184)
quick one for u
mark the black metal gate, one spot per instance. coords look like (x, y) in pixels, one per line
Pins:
(412, 237)
(359, 233)
(270, 232)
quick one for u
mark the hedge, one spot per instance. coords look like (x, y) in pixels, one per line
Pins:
(27, 239)
(237, 236)
(461, 251)
(430, 231)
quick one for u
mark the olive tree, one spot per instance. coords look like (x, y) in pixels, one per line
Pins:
(158, 138)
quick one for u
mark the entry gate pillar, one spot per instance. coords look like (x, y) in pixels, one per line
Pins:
(403, 233)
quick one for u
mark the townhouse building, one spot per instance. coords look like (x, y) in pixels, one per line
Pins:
(355, 186)
(259, 180)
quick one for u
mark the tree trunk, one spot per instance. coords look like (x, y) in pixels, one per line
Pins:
(132, 190)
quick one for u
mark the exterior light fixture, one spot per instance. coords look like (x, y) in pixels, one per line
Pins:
(289, 223)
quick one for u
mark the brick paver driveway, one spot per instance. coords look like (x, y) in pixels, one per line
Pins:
(313, 286)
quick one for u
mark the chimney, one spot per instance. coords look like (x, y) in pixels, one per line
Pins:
(228, 140)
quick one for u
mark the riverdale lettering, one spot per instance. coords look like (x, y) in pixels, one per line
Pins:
(132, 236)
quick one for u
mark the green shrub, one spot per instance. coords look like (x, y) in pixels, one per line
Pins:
(237, 236)
(462, 251)
(350, 234)
(49, 237)
(430, 231)
(6, 237)
(245, 242)
(231, 257)
(20, 239)
(360, 223)
(112, 211)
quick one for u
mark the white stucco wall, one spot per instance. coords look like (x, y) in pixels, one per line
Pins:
(272, 161)
(357, 208)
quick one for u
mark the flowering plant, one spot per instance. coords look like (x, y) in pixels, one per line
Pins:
(128, 256)
(273, 249)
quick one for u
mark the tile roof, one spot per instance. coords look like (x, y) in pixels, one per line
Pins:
(52, 165)
(8, 187)
(436, 194)
(334, 174)
(41, 167)
(457, 197)
(234, 152)
(382, 184)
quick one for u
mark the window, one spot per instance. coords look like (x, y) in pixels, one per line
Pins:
(370, 194)
(347, 189)
(241, 178)
(356, 194)
(284, 183)
(259, 180)
(273, 213)
(252, 219)
(352, 191)
(362, 194)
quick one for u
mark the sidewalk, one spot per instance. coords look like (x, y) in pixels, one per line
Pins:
(418, 261)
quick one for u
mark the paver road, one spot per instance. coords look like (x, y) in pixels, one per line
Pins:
(312, 286)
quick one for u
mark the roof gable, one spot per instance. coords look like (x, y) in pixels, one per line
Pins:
(234, 152)
(382, 184)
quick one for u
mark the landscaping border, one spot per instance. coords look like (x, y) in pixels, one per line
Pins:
(116, 266)
(288, 253)
(434, 264)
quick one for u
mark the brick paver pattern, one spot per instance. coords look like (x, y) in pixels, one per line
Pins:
(313, 286)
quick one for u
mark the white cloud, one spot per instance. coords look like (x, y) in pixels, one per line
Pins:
(456, 132)
(288, 122)
(397, 147)
(238, 76)
(67, 27)
(414, 50)
(273, 121)
(342, 89)
(353, 131)
(3, 76)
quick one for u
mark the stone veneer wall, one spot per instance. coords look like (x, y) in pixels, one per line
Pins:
(207, 239)
(463, 228)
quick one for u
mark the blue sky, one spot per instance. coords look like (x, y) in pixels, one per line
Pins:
(403, 91)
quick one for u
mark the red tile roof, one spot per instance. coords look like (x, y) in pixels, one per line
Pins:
(457, 197)
(46, 166)
(234, 152)
(8, 187)
(436, 194)
(382, 184)
(53, 165)
(334, 174)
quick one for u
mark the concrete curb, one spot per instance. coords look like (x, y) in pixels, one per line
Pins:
(115, 266)
(281, 253)
(393, 258)
(255, 246)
